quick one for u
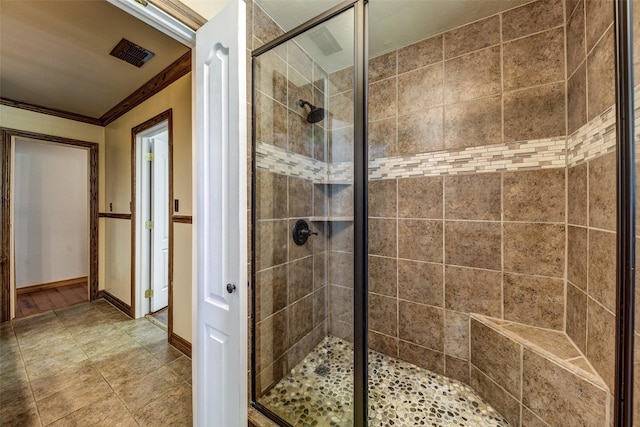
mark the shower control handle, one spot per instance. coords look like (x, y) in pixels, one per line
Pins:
(301, 232)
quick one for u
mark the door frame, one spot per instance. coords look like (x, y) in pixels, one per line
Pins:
(137, 293)
(7, 137)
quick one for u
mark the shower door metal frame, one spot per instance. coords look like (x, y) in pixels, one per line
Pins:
(625, 212)
(360, 184)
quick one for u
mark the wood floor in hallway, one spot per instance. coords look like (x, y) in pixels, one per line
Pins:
(41, 301)
(90, 365)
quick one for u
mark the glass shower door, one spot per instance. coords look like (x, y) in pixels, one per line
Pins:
(303, 226)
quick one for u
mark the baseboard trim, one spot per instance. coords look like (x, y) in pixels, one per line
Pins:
(117, 302)
(58, 284)
(180, 343)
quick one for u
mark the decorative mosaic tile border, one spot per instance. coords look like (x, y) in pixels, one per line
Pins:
(594, 139)
(537, 154)
(278, 160)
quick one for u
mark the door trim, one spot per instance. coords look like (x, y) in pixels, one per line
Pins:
(165, 116)
(6, 141)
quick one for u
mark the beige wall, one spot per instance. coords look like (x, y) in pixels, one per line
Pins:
(117, 262)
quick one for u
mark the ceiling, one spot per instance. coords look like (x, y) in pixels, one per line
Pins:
(55, 54)
(392, 23)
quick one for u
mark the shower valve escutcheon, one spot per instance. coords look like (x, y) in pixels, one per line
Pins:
(301, 232)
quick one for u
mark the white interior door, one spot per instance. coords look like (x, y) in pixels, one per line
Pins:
(159, 145)
(220, 180)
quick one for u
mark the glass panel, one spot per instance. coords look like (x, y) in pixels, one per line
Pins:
(492, 215)
(288, 14)
(304, 292)
(636, 69)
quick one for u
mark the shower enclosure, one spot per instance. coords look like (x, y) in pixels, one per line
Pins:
(434, 215)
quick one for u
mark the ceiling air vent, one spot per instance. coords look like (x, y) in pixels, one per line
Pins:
(325, 41)
(131, 53)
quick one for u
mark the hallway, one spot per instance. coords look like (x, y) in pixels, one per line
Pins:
(89, 364)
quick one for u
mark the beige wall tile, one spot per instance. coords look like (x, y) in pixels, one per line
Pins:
(383, 198)
(264, 28)
(420, 89)
(271, 195)
(473, 244)
(422, 325)
(300, 319)
(421, 282)
(531, 18)
(383, 314)
(602, 198)
(497, 396)
(271, 76)
(473, 123)
(534, 60)
(472, 76)
(420, 54)
(420, 240)
(577, 316)
(601, 333)
(496, 356)
(533, 113)
(532, 248)
(341, 110)
(422, 357)
(271, 245)
(381, 139)
(602, 268)
(545, 387)
(577, 256)
(341, 269)
(382, 237)
(383, 275)
(341, 81)
(300, 278)
(271, 288)
(320, 313)
(341, 147)
(271, 121)
(457, 369)
(601, 75)
(341, 303)
(382, 344)
(300, 197)
(383, 66)
(475, 197)
(382, 99)
(599, 15)
(300, 135)
(576, 51)
(470, 290)
(577, 195)
(537, 195)
(536, 301)
(456, 334)
(272, 339)
(420, 197)
(474, 36)
(421, 131)
(577, 99)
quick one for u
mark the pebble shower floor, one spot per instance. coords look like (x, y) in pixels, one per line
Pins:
(318, 392)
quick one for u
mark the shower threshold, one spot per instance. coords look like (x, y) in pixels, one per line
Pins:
(318, 392)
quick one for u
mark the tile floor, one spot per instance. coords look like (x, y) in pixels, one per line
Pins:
(90, 365)
(318, 392)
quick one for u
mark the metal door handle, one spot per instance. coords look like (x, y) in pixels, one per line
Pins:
(231, 288)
